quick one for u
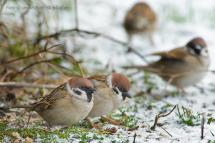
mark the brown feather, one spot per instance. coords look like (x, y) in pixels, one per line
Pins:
(139, 13)
(177, 53)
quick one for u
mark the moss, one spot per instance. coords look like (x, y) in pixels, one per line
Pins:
(83, 134)
(211, 120)
(187, 117)
(127, 121)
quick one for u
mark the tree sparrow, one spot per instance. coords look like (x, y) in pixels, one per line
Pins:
(140, 19)
(111, 91)
(183, 66)
(67, 104)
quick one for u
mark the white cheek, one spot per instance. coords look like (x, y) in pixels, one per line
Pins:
(82, 97)
(119, 95)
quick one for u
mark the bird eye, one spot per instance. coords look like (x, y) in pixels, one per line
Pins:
(88, 90)
(115, 90)
(77, 92)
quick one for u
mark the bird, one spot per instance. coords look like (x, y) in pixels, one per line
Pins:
(67, 104)
(141, 18)
(183, 66)
(111, 91)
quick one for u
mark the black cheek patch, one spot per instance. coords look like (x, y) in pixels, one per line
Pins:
(77, 92)
(197, 51)
(89, 92)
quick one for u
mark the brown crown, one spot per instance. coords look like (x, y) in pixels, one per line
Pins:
(120, 81)
(197, 41)
(80, 82)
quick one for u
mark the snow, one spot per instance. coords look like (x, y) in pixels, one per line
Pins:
(106, 17)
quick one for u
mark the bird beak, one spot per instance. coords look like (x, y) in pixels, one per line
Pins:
(125, 94)
(89, 97)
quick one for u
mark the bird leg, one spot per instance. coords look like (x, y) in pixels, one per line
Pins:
(168, 83)
(180, 90)
(110, 120)
(92, 125)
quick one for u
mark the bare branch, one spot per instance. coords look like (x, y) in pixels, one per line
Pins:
(130, 49)
(26, 85)
(31, 55)
(80, 32)
(166, 131)
(76, 14)
(161, 115)
(31, 65)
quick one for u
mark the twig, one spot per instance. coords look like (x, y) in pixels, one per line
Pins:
(160, 115)
(74, 61)
(76, 14)
(130, 49)
(26, 85)
(134, 139)
(202, 126)
(31, 55)
(75, 30)
(166, 131)
(31, 65)
(63, 54)
(80, 69)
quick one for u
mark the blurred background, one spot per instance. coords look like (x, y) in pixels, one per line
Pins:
(24, 22)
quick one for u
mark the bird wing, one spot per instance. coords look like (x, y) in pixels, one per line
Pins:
(177, 53)
(47, 101)
(167, 67)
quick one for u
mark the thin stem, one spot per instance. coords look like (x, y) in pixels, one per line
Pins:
(80, 69)
(26, 85)
(76, 14)
(31, 65)
(31, 55)
(157, 117)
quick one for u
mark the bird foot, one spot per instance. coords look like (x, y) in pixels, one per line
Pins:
(110, 120)
(93, 125)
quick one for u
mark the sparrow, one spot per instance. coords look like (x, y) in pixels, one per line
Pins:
(141, 18)
(111, 91)
(67, 104)
(183, 66)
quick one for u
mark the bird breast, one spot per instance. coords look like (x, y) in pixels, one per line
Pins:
(105, 101)
(67, 111)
